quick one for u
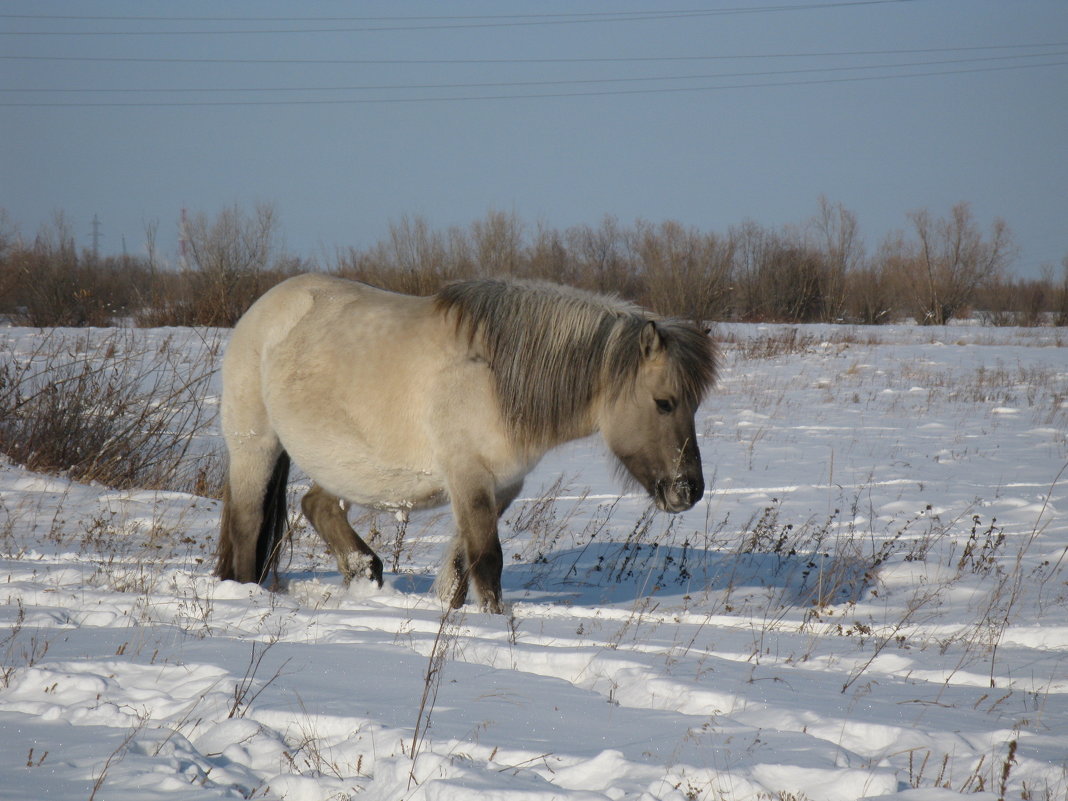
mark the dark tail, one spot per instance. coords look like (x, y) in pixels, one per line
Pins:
(273, 528)
(224, 557)
(271, 535)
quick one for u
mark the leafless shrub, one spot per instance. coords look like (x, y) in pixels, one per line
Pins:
(815, 272)
(786, 342)
(870, 298)
(52, 283)
(231, 249)
(246, 691)
(1025, 301)
(111, 411)
(16, 653)
(550, 259)
(780, 277)
(794, 283)
(836, 234)
(1013, 302)
(1060, 304)
(686, 274)
(600, 257)
(414, 259)
(497, 244)
(543, 520)
(228, 262)
(941, 271)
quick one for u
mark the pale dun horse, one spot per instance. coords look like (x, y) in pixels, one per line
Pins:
(398, 402)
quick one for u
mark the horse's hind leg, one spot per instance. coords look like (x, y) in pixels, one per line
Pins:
(327, 516)
(253, 505)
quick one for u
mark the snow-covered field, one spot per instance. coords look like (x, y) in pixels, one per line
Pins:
(871, 602)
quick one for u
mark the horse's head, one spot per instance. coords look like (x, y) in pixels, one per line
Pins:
(650, 424)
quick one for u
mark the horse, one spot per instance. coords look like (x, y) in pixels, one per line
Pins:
(402, 402)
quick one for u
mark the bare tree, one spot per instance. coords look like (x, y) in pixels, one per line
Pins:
(687, 274)
(233, 244)
(837, 236)
(151, 246)
(416, 257)
(56, 283)
(1061, 302)
(549, 258)
(600, 255)
(9, 273)
(413, 246)
(8, 233)
(751, 243)
(498, 243)
(780, 276)
(952, 260)
(231, 256)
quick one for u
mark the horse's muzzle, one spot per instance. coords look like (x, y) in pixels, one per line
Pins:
(678, 495)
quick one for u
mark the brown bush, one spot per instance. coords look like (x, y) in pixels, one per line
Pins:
(869, 297)
(52, 284)
(950, 260)
(778, 277)
(685, 274)
(231, 262)
(414, 259)
(108, 410)
(817, 272)
(600, 258)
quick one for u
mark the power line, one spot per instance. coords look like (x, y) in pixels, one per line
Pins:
(421, 22)
(518, 84)
(526, 96)
(498, 61)
(183, 18)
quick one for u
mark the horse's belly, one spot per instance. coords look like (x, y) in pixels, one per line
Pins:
(380, 487)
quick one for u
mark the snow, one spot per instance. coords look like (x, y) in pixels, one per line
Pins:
(871, 603)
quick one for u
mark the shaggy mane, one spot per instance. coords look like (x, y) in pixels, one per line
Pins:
(553, 349)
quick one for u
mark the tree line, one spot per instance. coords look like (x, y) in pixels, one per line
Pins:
(935, 269)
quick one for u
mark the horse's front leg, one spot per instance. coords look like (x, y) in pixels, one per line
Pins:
(476, 555)
(327, 516)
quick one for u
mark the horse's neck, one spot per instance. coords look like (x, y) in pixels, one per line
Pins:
(585, 424)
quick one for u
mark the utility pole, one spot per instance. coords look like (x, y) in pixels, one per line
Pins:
(183, 240)
(96, 237)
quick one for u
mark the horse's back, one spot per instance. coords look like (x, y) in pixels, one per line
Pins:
(287, 303)
(306, 306)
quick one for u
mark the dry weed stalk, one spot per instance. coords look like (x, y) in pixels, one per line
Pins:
(444, 642)
(243, 696)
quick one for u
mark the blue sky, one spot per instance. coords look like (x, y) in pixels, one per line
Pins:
(350, 115)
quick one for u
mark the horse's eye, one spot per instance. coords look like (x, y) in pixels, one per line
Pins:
(665, 406)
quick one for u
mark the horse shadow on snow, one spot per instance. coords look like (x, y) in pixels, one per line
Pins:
(614, 572)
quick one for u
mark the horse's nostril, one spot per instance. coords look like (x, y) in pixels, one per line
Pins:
(679, 494)
(689, 491)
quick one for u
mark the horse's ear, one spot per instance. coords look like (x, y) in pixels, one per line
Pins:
(650, 340)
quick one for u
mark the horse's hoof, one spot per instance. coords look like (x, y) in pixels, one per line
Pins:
(368, 566)
(491, 605)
